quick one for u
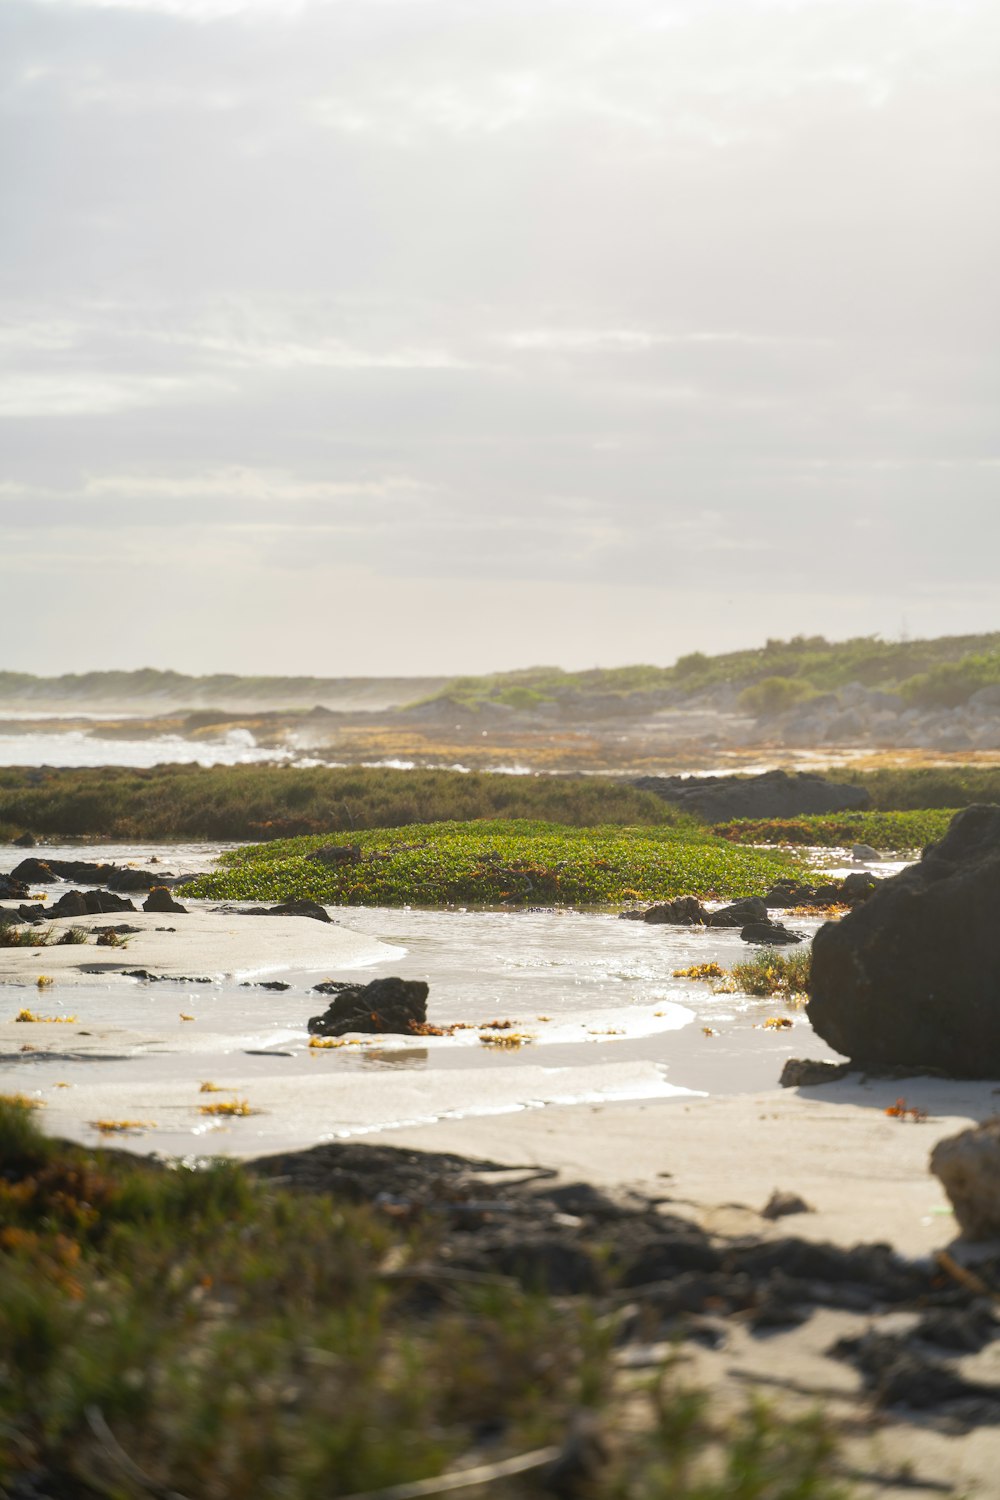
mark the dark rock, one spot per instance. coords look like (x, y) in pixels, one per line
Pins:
(858, 886)
(965, 1329)
(34, 914)
(666, 1256)
(12, 890)
(298, 908)
(24, 841)
(683, 911)
(778, 1304)
(770, 934)
(853, 888)
(89, 904)
(789, 893)
(898, 1374)
(133, 880)
(542, 1263)
(166, 978)
(751, 909)
(73, 904)
(34, 871)
(160, 899)
(385, 1005)
(774, 794)
(781, 1204)
(265, 984)
(333, 986)
(865, 854)
(910, 978)
(806, 1072)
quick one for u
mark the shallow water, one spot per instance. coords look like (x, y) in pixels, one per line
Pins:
(594, 997)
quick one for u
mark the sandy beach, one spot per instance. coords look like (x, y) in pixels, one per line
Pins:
(715, 1157)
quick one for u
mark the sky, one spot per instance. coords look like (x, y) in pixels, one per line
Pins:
(362, 337)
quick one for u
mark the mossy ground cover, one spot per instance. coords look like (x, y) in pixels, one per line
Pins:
(494, 864)
(895, 832)
(210, 1333)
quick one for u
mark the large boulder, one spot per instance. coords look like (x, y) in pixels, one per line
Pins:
(774, 794)
(385, 1005)
(911, 977)
(968, 1165)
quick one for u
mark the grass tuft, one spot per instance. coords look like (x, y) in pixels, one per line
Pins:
(772, 973)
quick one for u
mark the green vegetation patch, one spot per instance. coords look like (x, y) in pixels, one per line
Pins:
(493, 864)
(893, 832)
(165, 1331)
(905, 789)
(259, 802)
(235, 1339)
(938, 672)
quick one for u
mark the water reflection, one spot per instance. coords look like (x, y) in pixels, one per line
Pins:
(397, 1057)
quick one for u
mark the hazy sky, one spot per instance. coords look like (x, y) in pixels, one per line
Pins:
(359, 336)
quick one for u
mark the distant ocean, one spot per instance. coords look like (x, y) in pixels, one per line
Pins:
(76, 747)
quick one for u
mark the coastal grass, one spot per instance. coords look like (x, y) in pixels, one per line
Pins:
(209, 1333)
(772, 973)
(912, 788)
(495, 864)
(894, 832)
(261, 802)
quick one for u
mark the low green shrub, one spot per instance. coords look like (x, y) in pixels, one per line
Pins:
(257, 802)
(170, 1331)
(492, 864)
(893, 832)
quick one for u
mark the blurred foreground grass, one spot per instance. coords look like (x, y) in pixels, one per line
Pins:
(167, 1331)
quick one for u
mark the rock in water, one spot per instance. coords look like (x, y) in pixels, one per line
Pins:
(769, 934)
(385, 1005)
(683, 911)
(968, 1165)
(911, 978)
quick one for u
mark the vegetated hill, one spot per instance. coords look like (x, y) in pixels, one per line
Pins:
(930, 674)
(942, 672)
(153, 690)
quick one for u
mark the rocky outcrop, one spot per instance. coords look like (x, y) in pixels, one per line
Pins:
(385, 1005)
(769, 934)
(911, 977)
(298, 908)
(160, 899)
(752, 909)
(968, 1165)
(850, 891)
(774, 794)
(88, 904)
(683, 911)
(11, 889)
(34, 872)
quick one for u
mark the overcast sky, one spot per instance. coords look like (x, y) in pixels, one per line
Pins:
(377, 336)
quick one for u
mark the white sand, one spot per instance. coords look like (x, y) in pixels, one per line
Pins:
(193, 944)
(718, 1159)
